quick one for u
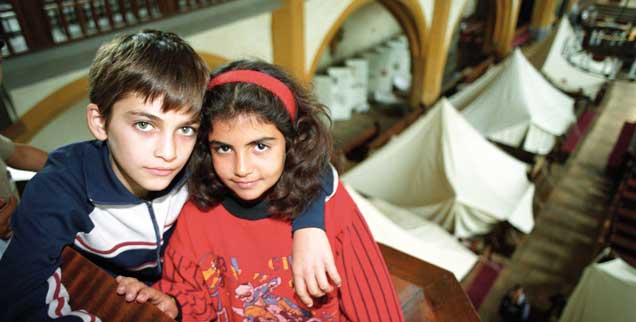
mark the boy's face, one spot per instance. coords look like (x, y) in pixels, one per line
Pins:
(148, 147)
(248, 155)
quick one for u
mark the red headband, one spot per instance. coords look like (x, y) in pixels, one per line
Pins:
(263, 80)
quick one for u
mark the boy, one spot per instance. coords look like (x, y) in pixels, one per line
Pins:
(116, 200)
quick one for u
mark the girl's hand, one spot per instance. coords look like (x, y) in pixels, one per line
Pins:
(7, 207)
(312, 262)
(134, 290)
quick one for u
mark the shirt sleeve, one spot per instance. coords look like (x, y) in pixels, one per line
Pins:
(183, 279)
(7, 147)
(314, 215)
(367, 292)
(47, 219)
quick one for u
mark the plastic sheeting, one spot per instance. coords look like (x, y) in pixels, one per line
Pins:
(561, 73)
(520, 101)
(604, 293)
(443, 170)
(402, 230)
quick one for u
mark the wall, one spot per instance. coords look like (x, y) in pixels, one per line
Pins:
(320, 15)
(67, 128)
(366, 28)
(247, 38)
(427, 7)
(26, 97)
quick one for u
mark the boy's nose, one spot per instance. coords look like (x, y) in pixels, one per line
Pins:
(166, 148)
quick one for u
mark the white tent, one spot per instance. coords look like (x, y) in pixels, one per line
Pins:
(401, 63)
(468, 93)
(360, 71)
(335, 91)
(561, 72)
(443, 170)
(521, 109)
(421, 239)
(380, 75)
(604, 293)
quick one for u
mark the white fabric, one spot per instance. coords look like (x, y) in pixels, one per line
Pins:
(517, 100)
(562, 73)
(604, 293)
(443, 170)
(360, 70)
(538, 141)
(326, 90)
(21, 175)
(404, 231)
(467, 94)
(380, 77)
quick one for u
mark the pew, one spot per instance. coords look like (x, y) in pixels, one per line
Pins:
(617, 158)
(575, 135)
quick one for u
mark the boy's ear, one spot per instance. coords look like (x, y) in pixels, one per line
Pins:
(96, 122)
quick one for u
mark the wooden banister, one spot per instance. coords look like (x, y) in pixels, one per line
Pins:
(93, 289)
(427, 293)
(442, 298)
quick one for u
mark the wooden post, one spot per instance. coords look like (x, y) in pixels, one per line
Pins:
(542, 18)
(436, 53)
(34, 23)
(288, 37)
(507, 25)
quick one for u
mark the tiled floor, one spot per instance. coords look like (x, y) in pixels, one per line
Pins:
(552, 257)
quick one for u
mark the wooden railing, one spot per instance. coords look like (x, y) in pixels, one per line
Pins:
(427, 293)
(27, 26)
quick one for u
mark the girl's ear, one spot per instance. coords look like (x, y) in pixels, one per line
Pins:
(96, 122)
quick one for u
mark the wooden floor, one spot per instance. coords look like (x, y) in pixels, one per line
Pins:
(552, 258)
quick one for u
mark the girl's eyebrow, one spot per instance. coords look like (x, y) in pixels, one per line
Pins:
(259, 140)
(267, 138)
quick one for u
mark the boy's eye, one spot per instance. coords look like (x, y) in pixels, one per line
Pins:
(143, 126)
(188, 131)
(261, 147)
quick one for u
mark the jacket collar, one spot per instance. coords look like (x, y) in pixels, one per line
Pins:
(103, 186)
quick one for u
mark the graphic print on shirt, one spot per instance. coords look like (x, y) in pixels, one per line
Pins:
(255, 298)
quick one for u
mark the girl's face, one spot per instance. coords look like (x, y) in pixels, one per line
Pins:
(248, 155)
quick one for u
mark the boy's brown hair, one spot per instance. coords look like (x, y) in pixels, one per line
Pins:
(152, 64)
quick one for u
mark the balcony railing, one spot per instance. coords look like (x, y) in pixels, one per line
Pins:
(31, 25)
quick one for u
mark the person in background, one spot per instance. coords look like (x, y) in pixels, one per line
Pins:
(514, 306)
(22, 157)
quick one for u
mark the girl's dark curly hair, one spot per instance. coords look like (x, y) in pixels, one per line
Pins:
(307, 139)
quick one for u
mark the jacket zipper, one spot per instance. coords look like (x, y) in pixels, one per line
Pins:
(157, 235)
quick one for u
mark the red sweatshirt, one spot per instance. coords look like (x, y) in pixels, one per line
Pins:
(237, 267)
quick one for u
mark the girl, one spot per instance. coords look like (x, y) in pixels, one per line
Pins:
(262, 144)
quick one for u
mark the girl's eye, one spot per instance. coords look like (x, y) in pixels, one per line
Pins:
(222, 149)
(188, 131)
(261, 147)
(143, 126)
